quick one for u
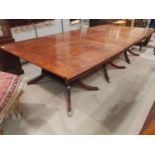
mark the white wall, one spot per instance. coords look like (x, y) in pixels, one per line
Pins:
(48, 30)
(53, 28)
(57, 26)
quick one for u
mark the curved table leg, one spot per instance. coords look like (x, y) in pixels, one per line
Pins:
(135, 54)
(69, 104)
(35, 80)
(69, 108)
(154, 51)
(87, 87)
(116, 66)
(126, 57)
(106, 74)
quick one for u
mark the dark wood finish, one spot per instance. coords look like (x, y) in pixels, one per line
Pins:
(87, 87)
(127, 57)
(144, 42)
(131, 52)
(73, 55)
(106, 73)
(117, 66)
(5, 29)
(149, 125)
(37, 79)
(6, 36)
(8, 62)
(96, 22)
(6, 40)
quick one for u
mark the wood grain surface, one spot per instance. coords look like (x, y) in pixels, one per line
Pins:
(70, 54)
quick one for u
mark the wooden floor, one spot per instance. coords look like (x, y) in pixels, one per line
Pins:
(149, 125)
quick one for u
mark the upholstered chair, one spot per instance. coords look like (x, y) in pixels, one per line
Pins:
(11, 88)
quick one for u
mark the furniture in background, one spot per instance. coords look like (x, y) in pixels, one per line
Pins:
(152, 23)
(25, 25)
(11, 88)
(96, 22)
(24, 29)
(25, 22)
(5, 33)
(8, 62)
(142, 23)
(118, 22)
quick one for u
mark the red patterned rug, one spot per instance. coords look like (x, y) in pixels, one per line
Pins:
(9, 85)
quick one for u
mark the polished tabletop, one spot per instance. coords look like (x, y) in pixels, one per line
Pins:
(72, 53)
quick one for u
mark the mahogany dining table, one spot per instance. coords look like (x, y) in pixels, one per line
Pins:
(73, 55)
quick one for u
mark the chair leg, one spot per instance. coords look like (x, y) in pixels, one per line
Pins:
(19, 109)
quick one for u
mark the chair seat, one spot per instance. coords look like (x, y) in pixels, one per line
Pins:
(9, 85)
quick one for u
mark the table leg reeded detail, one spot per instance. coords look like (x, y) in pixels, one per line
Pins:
(106, 74)
(126, 57)
(69, 107)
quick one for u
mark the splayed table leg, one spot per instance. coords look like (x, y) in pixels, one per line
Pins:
(35, 80)
(117, 66)
(126, 57)
(131, 52)
(106, 74)
(87, 87)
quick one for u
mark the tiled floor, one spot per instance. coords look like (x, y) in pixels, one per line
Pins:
(120, 107)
